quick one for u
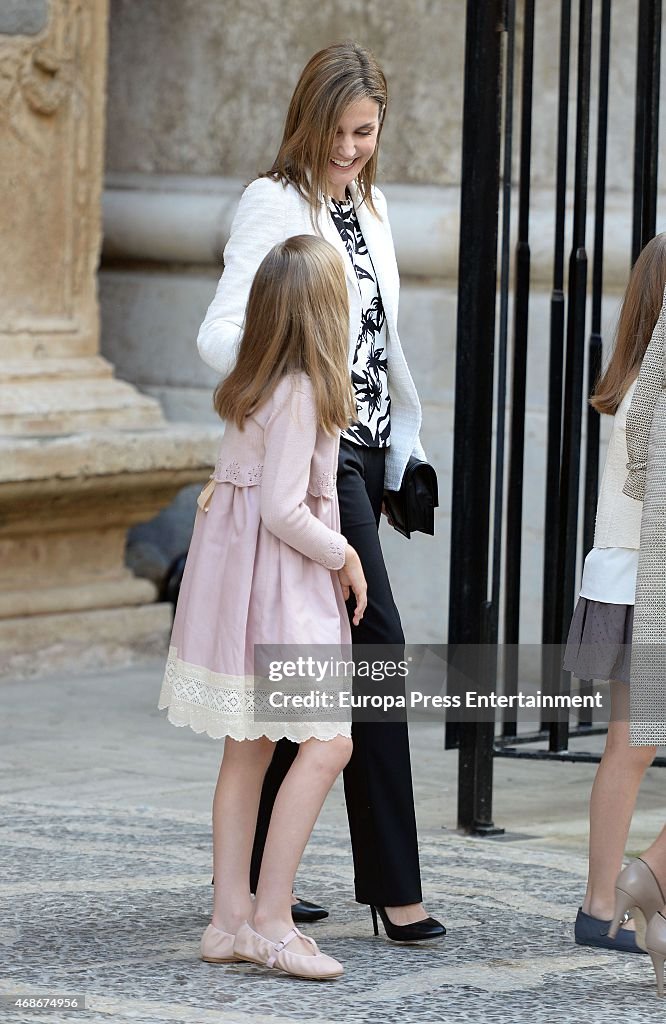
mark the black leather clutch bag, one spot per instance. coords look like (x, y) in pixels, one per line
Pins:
(412, 508)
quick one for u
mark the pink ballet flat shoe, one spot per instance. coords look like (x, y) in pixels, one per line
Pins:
(249, 945)
(217, 947)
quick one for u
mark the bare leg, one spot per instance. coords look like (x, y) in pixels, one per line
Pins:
(295, 811)
(655, 858)
(235, 806)
(612, 803)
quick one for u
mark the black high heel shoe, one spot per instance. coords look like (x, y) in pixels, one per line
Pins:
(428, 928)
(303, 912)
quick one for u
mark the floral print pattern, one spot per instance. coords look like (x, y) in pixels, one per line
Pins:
(369, 364)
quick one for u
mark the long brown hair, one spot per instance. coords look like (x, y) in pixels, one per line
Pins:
(334, 78)
(639, 313)
(297, 319)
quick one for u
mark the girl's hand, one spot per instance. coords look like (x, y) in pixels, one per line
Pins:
(352, 579)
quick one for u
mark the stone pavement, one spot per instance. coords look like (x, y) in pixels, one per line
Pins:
(104, 887)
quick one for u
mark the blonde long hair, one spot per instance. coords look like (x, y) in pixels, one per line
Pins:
(297, 319)
(639, 313)
(332, 79)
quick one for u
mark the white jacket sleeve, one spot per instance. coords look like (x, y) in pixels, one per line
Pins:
(418, 452)
(259, 224)
(382, 207)
(289, 438)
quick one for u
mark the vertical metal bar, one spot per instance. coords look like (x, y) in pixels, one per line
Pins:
(519, 379)
(646, 138)
(651, 163)
(474, 368)
(482, 822)
(586, 715)
(573, 394)
(642, 89)
(595, 344)
(549, 637)
(505, 270)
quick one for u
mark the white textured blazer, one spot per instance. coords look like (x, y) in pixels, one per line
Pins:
(270, 212)
(618, 516)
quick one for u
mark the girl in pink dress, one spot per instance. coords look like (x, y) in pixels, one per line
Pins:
(268, 565)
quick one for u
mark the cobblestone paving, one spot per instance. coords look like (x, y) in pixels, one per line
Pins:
(111, 903)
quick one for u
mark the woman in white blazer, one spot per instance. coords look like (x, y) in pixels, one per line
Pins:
(322, 181)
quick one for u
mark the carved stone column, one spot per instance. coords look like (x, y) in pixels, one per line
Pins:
(82, 455)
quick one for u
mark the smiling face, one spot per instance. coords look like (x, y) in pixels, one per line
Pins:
(354, 143)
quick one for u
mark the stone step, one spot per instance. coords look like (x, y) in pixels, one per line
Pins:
(14, 370)
(59, 404)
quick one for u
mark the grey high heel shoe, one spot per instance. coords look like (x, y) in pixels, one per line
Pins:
(655, 938)
(638, 892)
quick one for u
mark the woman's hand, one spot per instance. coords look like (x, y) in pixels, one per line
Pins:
(352, 578)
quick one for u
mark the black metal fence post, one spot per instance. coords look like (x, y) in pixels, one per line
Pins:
(595, 343)
(514, 511)
(646, 142)
(550, 668)
(474, 613)
(470, 511)
(573, 387)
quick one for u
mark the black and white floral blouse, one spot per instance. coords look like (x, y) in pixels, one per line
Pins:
(369, 365)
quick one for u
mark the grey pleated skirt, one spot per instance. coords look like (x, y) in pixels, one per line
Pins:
(599, 642)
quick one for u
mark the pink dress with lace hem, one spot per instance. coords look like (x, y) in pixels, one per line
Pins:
(248, 579)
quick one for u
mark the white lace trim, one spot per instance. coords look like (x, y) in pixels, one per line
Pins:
(233, 472)
(226, 705)
(323, 485)
(335, 557)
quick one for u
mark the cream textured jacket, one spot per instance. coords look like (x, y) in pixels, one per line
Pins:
(269, 213)
(618, 516)
(646, 443)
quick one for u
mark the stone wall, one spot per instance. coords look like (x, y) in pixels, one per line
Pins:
(202, 86)
(83, 455)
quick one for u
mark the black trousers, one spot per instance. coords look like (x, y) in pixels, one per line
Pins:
(378, 778)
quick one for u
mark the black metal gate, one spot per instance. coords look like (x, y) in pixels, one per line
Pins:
(482, 372)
